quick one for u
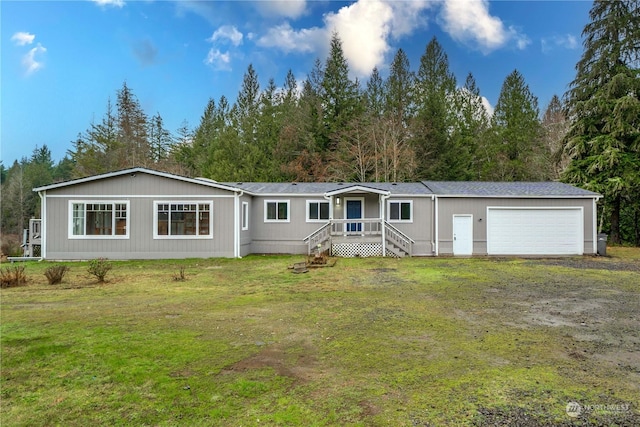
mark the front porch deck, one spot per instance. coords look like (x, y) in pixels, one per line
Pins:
(360, 237)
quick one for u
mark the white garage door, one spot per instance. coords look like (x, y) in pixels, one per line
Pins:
(538, 231)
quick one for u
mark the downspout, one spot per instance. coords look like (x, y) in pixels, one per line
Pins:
(383, 199)
(43, 224)
(435, 222)
(594, 215)
(236, 223)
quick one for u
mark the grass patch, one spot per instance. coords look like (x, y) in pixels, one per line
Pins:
(369, 342)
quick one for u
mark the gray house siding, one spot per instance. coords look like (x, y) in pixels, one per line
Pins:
(141, 191)
(284, 237)
(477, 206)
(421, 229)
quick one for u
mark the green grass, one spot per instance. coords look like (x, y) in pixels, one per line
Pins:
(368, 342)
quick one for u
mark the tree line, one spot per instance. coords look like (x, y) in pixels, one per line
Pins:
(414, 124)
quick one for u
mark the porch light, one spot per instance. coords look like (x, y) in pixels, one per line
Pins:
(338, 201)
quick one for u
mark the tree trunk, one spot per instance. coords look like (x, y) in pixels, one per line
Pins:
(614, 236)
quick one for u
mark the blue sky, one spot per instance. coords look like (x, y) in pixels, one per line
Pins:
(62, 60)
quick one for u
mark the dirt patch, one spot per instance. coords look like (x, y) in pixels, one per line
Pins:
(601, 263)
(299, 365)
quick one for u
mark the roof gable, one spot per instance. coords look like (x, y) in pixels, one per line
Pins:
(133, 171)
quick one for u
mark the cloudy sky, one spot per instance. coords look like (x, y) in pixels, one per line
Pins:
(62, 60)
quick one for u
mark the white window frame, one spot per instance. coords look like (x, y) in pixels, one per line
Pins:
(183, 236)
(309, 202)
(245, 216)
(288, 202)
(390, 202)
(113, 203)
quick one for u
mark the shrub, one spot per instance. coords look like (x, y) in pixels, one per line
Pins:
(181, 276)
(12, 276)
(55, 273)
(99, 268)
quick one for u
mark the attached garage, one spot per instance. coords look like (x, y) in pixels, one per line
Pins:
(535, 231)
(513, 218)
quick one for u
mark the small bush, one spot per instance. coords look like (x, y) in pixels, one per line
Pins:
(99, 268)
(55, 273)
(12, 276)
(181, 276)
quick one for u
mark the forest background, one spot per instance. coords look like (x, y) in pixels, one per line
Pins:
(417, 124)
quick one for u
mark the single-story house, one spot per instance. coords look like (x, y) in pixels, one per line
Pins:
(140, 213)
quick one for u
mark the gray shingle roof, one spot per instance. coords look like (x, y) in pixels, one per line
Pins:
(510, 189)
(408, 188)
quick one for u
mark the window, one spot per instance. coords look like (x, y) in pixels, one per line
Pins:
(98, 219)
(400, 210)
(183, 220)
(276, 211)
(317, 210)
(245, 215)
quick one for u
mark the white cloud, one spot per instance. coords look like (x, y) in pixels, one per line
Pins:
(364, 28)
(567, 41)
(469, 21)
(283, 8)
(289, 40)
(487, 106)
(104, 3)
(29, 61)
(218, 60)
(227, 32)
(21, 38)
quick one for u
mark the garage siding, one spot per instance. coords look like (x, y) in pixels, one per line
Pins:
(477, 206)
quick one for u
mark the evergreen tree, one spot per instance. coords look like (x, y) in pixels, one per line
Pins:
(468, 131)
(603, 142)
(160, 140)
(516, 135)
(340, 97)
(99, 149)
(434, 90)
(132, 131)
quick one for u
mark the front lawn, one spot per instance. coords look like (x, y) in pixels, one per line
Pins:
(369, 342)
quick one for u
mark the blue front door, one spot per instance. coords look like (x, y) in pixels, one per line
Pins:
(354, 211)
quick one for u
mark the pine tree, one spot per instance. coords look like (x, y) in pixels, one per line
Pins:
(132, 131)
(434, 90)
(468, 131)
(340, 97)
(160, 140)
(603, 103)
(516, 135)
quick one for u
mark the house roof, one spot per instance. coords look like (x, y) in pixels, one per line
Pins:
(507, 189)
(420, 189)
(133, 171)
(330, 188)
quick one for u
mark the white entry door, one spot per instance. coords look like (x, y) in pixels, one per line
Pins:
(462, 234)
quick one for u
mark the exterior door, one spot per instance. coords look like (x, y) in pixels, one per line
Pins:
(354, 211)
(462, 234)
